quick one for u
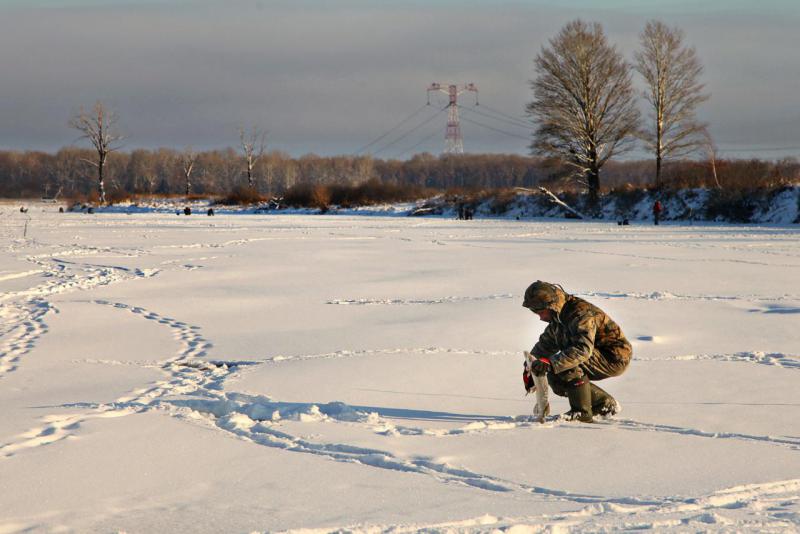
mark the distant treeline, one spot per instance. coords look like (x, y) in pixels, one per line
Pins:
(219, 173)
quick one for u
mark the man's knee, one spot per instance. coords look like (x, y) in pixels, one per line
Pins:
(560, 382)
(619, 361)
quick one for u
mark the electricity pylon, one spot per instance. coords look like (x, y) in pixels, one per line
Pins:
(454, 142)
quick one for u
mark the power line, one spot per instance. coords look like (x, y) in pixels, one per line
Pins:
(415, 128)
(427, 138)
(505, 114)
(488, 116)
(395, 127)
(497, 129)
(513, 122)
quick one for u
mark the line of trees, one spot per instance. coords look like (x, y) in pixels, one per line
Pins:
(33, 174)
(73, 172)
(584, 103)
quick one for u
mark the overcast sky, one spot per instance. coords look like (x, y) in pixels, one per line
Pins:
(331, 76)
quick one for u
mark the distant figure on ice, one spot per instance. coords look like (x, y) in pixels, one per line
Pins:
(657, 211)
(581, 344)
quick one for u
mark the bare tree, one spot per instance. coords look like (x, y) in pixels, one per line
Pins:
(140, 172)
(58, 170)
(583, 102)
(99, 127)
(671, 71)
(188, 160)
(710, 147)
(253, 145)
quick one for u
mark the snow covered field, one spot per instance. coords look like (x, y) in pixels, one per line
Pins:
(263, 373)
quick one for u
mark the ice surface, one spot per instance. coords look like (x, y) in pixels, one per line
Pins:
(265, 373)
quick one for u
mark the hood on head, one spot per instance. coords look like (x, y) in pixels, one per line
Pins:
(544, 296)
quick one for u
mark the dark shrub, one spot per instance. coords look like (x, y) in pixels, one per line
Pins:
(308, 196)
(241, 195)
(365, 194)
(626, 198)
(731, 205)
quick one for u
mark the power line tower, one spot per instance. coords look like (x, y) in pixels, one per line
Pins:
(454, 142)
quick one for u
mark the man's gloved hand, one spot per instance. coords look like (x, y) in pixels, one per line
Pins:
(527, 380)
(540, 366)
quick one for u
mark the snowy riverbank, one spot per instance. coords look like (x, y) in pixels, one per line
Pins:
(777, 206)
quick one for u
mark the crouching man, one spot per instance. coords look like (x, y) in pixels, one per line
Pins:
(580, 345)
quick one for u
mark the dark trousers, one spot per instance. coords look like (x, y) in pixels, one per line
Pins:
(597, 367)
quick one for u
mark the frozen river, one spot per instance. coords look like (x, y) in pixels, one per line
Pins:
(262, 373)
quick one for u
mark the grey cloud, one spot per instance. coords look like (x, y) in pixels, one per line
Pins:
(329, 76)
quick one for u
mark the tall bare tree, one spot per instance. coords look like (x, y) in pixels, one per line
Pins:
(99, 127)
(188, 160)
(707, 143)
(253, 145)
(671, 71)
(583, 102)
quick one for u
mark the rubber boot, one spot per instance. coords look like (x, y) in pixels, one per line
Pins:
(603, 404)
(580, 402)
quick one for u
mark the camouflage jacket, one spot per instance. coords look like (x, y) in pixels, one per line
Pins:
(577, 330)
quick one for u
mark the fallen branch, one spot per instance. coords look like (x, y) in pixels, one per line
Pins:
(554, 199)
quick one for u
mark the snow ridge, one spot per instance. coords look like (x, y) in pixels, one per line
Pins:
(776, 359)
(767, 507)
(409, 302)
